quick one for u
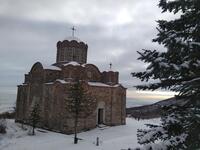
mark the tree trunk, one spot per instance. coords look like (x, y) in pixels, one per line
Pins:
(75, 129)
(22, 124)
(33, 131)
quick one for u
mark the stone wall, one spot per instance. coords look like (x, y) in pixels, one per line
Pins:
(114, 99)
(54, 115)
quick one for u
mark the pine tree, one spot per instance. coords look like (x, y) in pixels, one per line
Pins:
(80, 104)
(34, 116)
(176, 69)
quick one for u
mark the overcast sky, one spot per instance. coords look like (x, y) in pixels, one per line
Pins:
(113, 29)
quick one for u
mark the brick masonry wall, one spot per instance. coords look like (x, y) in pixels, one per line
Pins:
(41, 86)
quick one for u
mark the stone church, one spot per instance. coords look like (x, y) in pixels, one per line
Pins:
(48, 85)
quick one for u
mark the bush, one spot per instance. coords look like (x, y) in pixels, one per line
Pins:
(2, 126)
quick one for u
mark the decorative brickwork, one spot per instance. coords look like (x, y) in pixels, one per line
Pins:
(71, 51)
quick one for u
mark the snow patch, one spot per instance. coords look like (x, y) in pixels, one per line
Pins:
(102, 84)
(51, 67)
(73, 63)
(62, 81)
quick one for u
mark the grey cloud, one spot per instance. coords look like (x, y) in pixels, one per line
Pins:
(29, 31)
(78, 11)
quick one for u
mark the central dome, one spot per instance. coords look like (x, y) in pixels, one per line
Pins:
(71, 49)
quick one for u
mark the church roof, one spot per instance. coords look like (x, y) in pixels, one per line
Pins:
(73, 63)
(50, 67)
(102, 84)
(73, 38)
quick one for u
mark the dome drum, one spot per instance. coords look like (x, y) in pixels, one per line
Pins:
(73, 50)
(72, 43)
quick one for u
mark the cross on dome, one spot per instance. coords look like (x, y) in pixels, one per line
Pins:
(73, 30)
(110, 66)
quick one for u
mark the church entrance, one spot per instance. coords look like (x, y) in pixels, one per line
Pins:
(100, 116)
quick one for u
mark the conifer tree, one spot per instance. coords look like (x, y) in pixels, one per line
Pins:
(80, 104)
(34, 116)
(176, 69)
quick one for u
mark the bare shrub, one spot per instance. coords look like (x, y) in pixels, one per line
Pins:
(2, 126)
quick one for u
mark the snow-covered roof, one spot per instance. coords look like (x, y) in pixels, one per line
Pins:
(73, 63)
(71, 38)
(116, 85)
(101, 84)
(98, 84)
(59, 80)
(49, 83)
(51, 67)
(62, 81)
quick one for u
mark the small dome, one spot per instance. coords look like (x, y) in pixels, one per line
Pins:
(71, 38)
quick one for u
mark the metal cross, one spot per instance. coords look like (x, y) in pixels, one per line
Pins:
(110, 66)
(73, 30)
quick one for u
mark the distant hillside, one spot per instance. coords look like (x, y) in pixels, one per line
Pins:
(132, 102)
(153, 110)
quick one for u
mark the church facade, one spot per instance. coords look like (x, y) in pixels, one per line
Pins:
(49, 85)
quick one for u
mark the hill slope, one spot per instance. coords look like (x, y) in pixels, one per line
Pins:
(153, 110)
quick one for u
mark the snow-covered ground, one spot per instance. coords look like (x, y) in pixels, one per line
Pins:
(111, 138)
